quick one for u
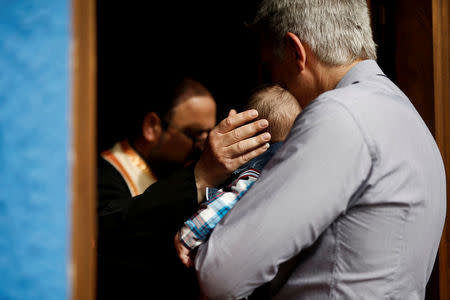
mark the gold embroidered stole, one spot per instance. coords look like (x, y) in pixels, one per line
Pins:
(131, 166)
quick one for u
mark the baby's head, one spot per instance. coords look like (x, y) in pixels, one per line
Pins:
(277, 106)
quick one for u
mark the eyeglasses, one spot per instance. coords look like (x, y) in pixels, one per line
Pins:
(194, 134)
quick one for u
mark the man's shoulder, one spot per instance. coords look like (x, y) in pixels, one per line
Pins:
(366, 103)
(374, 91)
(104, 167)
(108, 176)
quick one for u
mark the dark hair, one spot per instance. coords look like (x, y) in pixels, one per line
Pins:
(166, 93)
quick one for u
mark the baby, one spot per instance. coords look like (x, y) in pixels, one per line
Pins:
(280, 108)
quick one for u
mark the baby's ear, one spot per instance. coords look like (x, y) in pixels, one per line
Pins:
(151, 127)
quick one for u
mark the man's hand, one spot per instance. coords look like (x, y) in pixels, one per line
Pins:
(183, 252)
(230, 145)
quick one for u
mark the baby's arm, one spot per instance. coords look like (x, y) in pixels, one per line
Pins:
(183, 252)
(198, 228)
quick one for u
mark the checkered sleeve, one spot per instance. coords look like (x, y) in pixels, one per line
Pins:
(200, 225)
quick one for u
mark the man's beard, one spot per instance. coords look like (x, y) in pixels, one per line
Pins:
(193, 157)
(163, 169)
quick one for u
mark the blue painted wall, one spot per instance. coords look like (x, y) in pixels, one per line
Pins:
(34, 138)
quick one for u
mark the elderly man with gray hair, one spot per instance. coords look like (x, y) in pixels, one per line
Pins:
(356, 195)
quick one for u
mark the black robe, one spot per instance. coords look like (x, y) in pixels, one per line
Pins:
(136, 255)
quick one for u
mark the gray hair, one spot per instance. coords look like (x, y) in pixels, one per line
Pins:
(338, 32)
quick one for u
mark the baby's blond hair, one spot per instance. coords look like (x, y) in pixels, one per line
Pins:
(278, 106)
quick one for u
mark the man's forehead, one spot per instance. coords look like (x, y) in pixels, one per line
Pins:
(197, 112)
(195, 105)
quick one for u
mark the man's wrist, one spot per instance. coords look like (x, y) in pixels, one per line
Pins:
(200, 182)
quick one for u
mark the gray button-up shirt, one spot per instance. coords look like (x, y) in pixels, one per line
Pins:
(357, 194)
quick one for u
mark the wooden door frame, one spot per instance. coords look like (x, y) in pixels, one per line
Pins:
(441, 65)
(84, 163)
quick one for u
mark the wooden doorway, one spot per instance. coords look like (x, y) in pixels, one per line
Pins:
(83, 265)
(413, 39)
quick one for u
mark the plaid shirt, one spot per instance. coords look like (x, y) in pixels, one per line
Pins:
(197, 229)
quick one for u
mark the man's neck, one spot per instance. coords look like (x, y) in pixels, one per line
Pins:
(141, 147)
(326, 78)
(160, 168)
(335, 75)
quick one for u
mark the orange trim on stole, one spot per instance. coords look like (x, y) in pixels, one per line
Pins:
(136, 159)
(111, 158)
